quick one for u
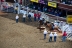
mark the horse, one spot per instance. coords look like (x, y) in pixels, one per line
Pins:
(51, 27)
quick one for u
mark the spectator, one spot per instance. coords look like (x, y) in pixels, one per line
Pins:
(34, 7)
(50, 37)
(39, 9)
(38, 15)
(32, 14)
(49, 11)
(16, 8)
(24, 16)
(60, 13)
(55, 36)
(35, 15)
(52, 11)
(29, 17)
(45, 9)
(56, 13)
(45, 33)
(64, 36)
(17, 17)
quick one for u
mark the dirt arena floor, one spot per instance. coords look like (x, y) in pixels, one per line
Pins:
(25, 35)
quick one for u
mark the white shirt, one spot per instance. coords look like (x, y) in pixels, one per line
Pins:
(55, 34)
(24, 16)
(51, 35)
(45, 32)
(32, 14)
(17, 17)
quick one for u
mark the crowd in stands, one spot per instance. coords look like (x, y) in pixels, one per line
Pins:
(50, 10)
(69, 2)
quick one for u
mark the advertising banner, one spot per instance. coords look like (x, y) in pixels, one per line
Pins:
(52, 4)
(69, 19)
(34, 1)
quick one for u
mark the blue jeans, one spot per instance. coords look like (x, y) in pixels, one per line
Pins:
(55, 38)
(34, 18)
(50, 39)
(16, 20)
(44, 36)
(64, 38)
(38, 18)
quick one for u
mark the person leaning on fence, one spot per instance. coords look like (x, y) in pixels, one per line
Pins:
(24, 17)
(17, 17)
(35, 15)
(50, 37)
(55, 36)
(64, 36)
(45, 33)
(16, 8)
(38, 15)
(29, 17)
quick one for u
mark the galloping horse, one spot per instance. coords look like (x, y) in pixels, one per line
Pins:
(49, 25)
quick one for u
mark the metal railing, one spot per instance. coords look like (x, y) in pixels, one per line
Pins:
(69, 35)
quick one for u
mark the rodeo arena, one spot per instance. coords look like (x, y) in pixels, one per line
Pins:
(35, 23)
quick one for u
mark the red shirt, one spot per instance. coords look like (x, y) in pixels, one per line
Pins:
(35, 15)
(38, 15)
(64, 34)
(20, 1)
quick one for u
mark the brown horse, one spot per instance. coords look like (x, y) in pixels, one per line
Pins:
(52, 28)
(49, 25)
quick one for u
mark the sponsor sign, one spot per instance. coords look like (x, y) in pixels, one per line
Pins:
(69, 19)
(34, 1)
(52, 4)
